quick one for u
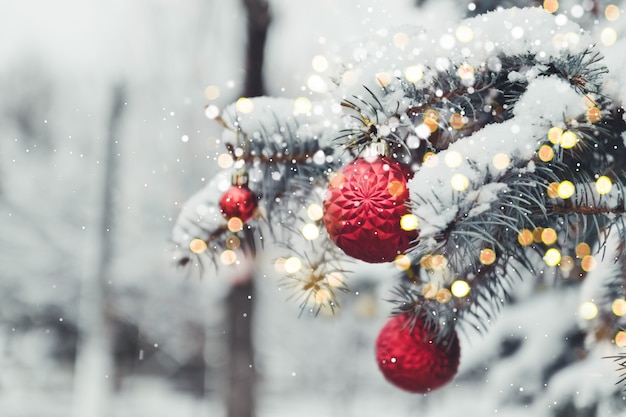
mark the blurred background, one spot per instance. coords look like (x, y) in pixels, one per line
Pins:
(103, 137)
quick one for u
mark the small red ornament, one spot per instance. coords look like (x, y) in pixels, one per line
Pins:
(411, 360)
(238, 201)
(363, 207)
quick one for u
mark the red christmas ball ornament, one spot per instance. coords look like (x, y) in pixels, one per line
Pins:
(238, 201)
(411, 360)
(363, 206)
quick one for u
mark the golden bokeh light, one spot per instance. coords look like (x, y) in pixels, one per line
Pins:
(464, 33)
(310, 231)
(302, 105)
(315, 211)
(487, 256)
(593, 114)
(211, 92)
(427, 262)
(465, 72)
(569, 139)
(292, 265)
(453, 159)
(244, 105)
(548, 236)
(545, 153)
(225, 161)
(619, 307)
(604, 185)
(551, 6)
(413, 73)
(582, 250)
(525, 237)
(395, 188)
(612, 13)
(567, 263)
(588, 310)
(443, 295)
(335, 280)
(383, 79)
(554, 135)
(459, 182)
(431, 159)
(608, 36)
(456, 121)
(235, 224)
(620, 339)
(537, 231)
(553, 190)
(501, 161)
(566, 189)
(402, 262)
(588, 263)
(197, 246)
(409, 222)
(460, 288)
(430, 290)
(228, 257)
(337, 179)
(552, 257)
(233, 242)
(439, 262)
(279, 265)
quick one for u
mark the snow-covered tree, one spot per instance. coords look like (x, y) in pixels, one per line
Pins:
(484, 165)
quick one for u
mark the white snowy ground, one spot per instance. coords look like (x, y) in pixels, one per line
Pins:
(168, 52)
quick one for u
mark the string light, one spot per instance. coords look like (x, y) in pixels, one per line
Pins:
(588, 310)
(197, 246)
(460, 288)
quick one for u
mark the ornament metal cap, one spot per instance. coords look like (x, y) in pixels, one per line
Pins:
(376, 149)
(240, 177)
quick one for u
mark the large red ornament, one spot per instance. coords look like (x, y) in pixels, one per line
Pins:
(363, 207)
(411, 360)
(238, 201)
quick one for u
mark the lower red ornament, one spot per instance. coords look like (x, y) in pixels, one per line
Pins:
(411, 360)
(238, 201)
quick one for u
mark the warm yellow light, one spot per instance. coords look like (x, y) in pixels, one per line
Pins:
(619, 307)
(582, 250)
(593, 114)
(409, 222)
(233, 242)
(525, 237)
(337, 179)
(608, 36)
(427, 262)
(566, 189)
(548, 236)
(279, 265)
(612, 13)
(335, 279)
(546, 153)
(235, 224)
(197, 246)
(552, 257)
(319, 63)
(567, 263)
(212, 92)
(553, 190)
(439, 262)
(244, 105)
(460, 288)
(315, 212)
(310, 231)
(465, 72)
(322, 296)
(456, 121)
(443, 295)
(569, 139)
(395, 188)
(402, 262)
(431, 159)
(620, 339)
(413, 73)
(537, 234)
(588, 263)
(430, 290)
(554, 135)
(302, 105)
(501, 161)
(464, 33)
(588, 310)
(487, 256)
(383, 79)
(453, 159)
(459, 182)
(225, 161)
(228, 257)
(604, 185)
(292, 265)
(551, 6)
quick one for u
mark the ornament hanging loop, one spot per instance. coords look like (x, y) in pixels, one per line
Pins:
(375, 150)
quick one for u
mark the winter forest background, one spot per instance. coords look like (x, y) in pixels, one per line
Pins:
(84, 236)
